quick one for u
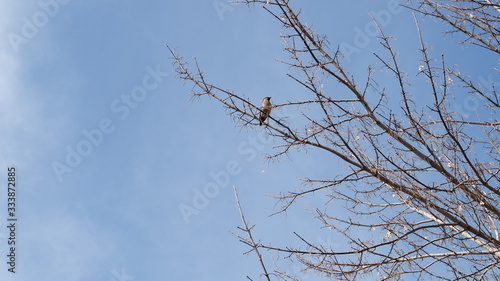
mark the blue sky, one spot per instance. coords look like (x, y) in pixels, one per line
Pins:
(93, 78)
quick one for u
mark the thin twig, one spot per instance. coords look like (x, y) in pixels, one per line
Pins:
(248, 230)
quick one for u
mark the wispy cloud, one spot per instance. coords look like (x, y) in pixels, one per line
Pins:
(73, 248)
(25, 125)
(12, 111)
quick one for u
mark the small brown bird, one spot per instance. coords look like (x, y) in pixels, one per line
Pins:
(265, 110)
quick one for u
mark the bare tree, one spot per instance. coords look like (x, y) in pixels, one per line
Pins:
(420, 174)
(476, 20)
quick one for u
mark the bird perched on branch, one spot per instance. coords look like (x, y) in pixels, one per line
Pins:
(265, 110)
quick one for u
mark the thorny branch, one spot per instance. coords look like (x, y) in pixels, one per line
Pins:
(249, 239)
(421, 180)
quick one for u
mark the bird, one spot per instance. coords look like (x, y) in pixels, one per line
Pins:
(265, 110)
